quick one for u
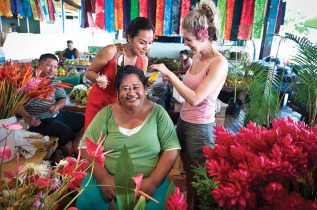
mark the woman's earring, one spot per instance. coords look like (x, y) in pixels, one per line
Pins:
(129, 48)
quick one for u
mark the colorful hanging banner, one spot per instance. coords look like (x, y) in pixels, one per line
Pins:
(51, 10)
(245, 29)
(143, 8)
(100, 14)
(222, 8)
(159, 20)
(15, 9)
(126, 13)
(280, 18)
(151, 11)
(134, 9)
(109, 16)
(25, 8)
(40, 10)
(236, 20)
(258, 18)
(118, 14)
(5, 8)
(229, 19)
(35, 10)
(167, 17)
(89, 7)
(82, 12)
(176, 6)
(185, 8)
(193, 4)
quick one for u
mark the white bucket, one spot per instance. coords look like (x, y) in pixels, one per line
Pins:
(11, 136)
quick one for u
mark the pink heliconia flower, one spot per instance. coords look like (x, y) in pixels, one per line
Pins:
(138, 182)
(13, 126)
(176, 201)
(95, 150)
(5, 153)
(29, 85)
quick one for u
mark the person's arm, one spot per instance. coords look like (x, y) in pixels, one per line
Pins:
(61, 55)
(216, 73)
(77, 54)
(101, 59)
(57, 106)
(163, 167)
(145, 62)
(102, 176)
(32, 121)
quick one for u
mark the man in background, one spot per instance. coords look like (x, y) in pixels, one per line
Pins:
(70, 52)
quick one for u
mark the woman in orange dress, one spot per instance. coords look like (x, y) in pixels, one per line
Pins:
(103, 69)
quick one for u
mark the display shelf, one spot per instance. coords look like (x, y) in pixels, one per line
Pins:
(76, 66)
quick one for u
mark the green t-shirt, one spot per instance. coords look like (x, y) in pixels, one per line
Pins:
(156, 135)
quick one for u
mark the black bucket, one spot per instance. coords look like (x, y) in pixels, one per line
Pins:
(234, 109)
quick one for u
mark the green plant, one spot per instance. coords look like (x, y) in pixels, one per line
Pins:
(264, 100)
(204, 186)
(305, 62)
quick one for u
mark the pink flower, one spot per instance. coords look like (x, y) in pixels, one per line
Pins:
(5, 153)
(202, 34)
(29, 85)
(176, 201)
(95, 150)
(13, 126)
(138, 181)
(72, 208)
(40, 200)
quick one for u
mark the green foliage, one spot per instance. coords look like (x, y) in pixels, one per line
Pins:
(171, 189)
(124, 173)
(306, 65)
(204, 186)
(141, 203)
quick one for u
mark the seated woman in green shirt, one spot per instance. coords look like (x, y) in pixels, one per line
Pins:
(147, 131)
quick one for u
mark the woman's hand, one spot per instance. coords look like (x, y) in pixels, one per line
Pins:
(102, 81)
(147, 186)
(161, 68)
(108, 192)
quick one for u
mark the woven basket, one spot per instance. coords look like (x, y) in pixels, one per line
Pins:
(55, 196)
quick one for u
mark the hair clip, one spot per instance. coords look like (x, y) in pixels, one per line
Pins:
(202, 34)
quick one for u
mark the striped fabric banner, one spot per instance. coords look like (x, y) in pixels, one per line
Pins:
(82, 12)
(258, 18)
(51, 10)
(229, 19)
(118, 14)
(5, 8)
(109, 16)
(222, 16)
(151, 11)
(236, 19)
(35, 10)
(40, 10)
(126, 13)
(159, 20)
(185, 8)
(100, 14)
(246, 21)
(15, 9)
(134, 9)
(143, 8)
(25, 8)
(167, 17)
(176, 6)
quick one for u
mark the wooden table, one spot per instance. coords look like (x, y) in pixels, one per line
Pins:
(44, 151)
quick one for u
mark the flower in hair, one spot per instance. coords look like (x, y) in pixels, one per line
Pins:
(202, 34)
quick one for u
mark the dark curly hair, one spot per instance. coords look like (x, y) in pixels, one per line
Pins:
(137, 24)
(126, 71)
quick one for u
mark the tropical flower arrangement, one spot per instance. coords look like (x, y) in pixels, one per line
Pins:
(267, 169)
(40, 186)
(19, 82)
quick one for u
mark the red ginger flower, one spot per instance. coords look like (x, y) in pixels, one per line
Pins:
(176, 201)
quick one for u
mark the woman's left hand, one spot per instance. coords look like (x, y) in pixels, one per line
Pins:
(147, 186)
(161, 68)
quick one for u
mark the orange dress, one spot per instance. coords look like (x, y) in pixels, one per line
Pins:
(98, 97)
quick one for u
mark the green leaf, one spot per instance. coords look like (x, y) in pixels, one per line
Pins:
(123, 177)
(171, 189)
(141, 203)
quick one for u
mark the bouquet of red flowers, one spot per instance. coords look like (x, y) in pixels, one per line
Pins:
(268, 169)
